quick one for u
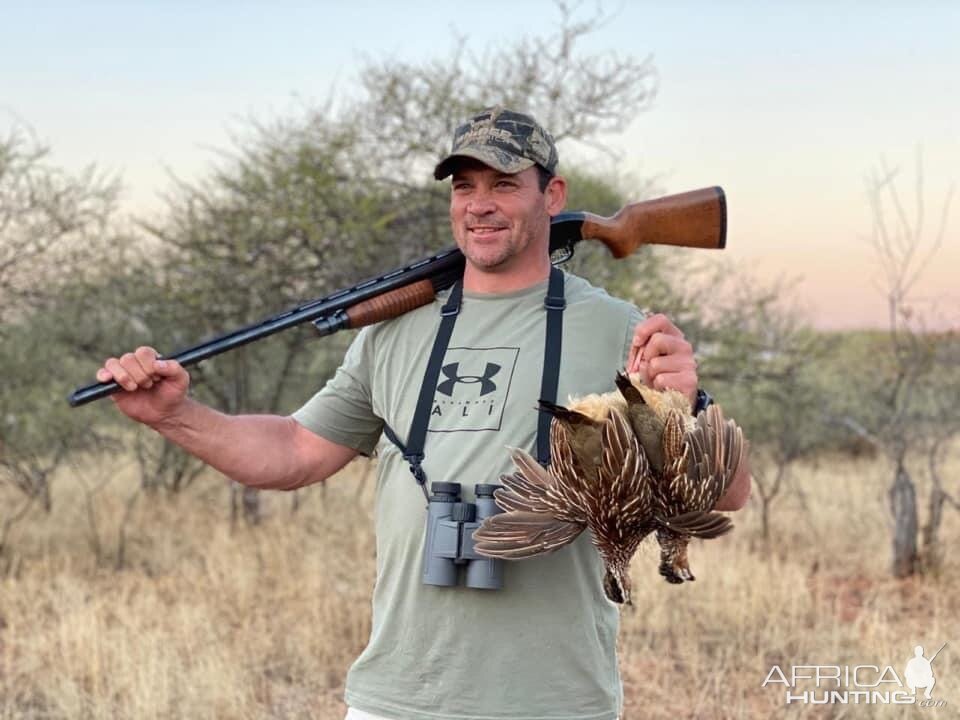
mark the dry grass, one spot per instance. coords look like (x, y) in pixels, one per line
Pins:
(209, 621)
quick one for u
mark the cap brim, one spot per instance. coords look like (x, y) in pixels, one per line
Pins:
(445, 167)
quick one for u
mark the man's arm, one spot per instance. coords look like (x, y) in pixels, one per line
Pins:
(738, 492)
(269, 452)
(262, 451)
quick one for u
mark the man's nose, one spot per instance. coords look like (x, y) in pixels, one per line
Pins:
(481, 203)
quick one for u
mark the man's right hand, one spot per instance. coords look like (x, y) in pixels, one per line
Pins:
(152, 389)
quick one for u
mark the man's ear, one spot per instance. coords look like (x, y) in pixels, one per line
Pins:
(556, 195)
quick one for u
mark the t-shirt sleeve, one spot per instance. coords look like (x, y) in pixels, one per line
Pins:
(342, 411)
(635, 316)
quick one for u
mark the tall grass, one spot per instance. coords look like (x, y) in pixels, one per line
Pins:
(210, 620)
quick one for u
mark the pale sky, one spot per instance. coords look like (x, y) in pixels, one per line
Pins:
(787, 106)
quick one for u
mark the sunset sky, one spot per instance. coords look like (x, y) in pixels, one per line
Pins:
(788, 107)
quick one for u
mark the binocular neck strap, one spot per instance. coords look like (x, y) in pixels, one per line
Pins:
(555, 305)
(416, 438)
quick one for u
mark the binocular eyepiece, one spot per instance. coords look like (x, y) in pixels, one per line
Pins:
(449, 540)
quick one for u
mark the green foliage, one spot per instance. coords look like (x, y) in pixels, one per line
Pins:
(50, 227)
(867, 399)
(765, 366)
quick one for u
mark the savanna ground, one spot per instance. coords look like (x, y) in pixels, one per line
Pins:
(209, 620)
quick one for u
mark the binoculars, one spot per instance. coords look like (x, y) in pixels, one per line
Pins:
(449, 541)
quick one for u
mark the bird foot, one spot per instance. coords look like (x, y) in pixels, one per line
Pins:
(676, 575)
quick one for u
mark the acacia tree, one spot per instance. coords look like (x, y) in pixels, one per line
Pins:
(51, 229)
(48, 219)
(911, 372)
(943, 429)
(408, 111)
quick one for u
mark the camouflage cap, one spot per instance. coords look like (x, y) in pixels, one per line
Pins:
(503, 139)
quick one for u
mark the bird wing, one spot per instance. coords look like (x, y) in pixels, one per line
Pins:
(620, 502)
(699, 524)
(673, 489)
(517, 534)
(557, 491)
(714, 451)
(543, 510)
(569, 493)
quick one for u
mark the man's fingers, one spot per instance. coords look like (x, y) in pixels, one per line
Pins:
(663, 344)
(167, 368)
(103, 375)
(137, 370)
(653, 324)
(642, 369)
(119, 374)
(633, 358)
(670, 364)
(146, 356)
(674, 381)
(662, 356)
(156, 367)
(131, 363)
(646, 330)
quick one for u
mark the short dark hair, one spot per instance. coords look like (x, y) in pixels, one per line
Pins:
(543, 177)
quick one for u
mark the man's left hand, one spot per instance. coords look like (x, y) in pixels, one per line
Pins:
(663, 357)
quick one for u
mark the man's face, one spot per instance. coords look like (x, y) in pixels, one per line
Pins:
(498, 220)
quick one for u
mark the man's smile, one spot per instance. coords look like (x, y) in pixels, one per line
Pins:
(485, 232)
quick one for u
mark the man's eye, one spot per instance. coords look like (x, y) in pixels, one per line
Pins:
(506, 184)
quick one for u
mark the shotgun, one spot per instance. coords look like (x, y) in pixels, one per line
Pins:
(692, 219)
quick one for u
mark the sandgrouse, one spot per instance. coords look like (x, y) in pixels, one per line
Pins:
(546, 509)
(625, 463)
(693, 461)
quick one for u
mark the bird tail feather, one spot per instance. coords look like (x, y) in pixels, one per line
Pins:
(699, 524)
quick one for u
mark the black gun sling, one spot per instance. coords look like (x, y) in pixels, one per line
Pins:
(554, 303)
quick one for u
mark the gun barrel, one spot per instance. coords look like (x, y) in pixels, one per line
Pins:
(441, 269)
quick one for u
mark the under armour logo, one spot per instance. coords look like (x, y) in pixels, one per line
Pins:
(452, 371)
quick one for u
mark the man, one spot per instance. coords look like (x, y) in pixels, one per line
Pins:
(544, 645)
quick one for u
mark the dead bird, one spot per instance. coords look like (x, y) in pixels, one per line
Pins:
(547, 508)
(693, 461)
(625, 463)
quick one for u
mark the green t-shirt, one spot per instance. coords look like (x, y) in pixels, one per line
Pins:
(543, 647)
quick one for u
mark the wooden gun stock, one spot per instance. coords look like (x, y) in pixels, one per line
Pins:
(695, 219)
